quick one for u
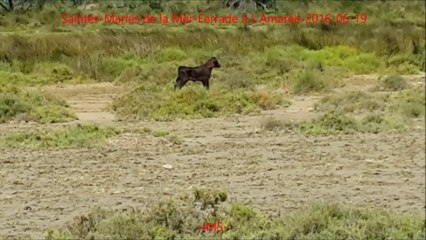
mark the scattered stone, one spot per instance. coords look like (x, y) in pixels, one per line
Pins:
(168, 166)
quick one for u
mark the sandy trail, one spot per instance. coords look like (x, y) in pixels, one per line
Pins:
(89, 101)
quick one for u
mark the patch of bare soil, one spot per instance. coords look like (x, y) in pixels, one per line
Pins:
(274, 171)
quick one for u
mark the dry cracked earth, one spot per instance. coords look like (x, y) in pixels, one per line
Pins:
(274, 171)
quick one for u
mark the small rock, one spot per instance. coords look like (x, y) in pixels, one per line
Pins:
(27, 208)
(168, 166)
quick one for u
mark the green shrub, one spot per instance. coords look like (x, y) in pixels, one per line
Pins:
(51, 114)
(376, 123)
(192, 102)
(234, 79)
(17, 104)
(179, 219)
(273, 124)
(172, 54)
(409, 103)
(55, 72)
(115, 66)
(345, 56)
(406, 63)
(394, 83)
(11, 106)
(352, 102)
(330, 123)
(310, 81)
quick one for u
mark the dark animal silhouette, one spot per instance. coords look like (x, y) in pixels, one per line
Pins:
(200, 73)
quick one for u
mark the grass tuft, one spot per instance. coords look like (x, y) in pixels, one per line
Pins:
(71, 137)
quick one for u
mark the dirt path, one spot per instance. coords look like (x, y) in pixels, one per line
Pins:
(89, 101)
(274, 171)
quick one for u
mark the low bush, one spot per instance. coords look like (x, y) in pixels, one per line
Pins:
(18, 104)
(409, 103)
(344, 56)
(333, 123)
(274, 124)
(363, 112)
(184, 218)
(393, 83)
(352, 102)
(330, 123)
(151, 102)
(310, 81)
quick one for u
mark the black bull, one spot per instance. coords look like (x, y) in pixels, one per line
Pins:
(200, 73)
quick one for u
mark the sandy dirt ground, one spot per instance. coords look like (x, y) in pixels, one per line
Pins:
(274, 171)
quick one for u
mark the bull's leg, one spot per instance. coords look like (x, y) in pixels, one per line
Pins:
(176, 83)
(183, 82)
(206, 84)
(180, 82)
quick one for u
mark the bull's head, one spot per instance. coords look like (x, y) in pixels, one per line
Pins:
(213, 61)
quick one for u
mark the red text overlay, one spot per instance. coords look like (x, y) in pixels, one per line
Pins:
(309, 18)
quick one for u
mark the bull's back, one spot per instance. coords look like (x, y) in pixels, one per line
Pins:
(194, 72)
